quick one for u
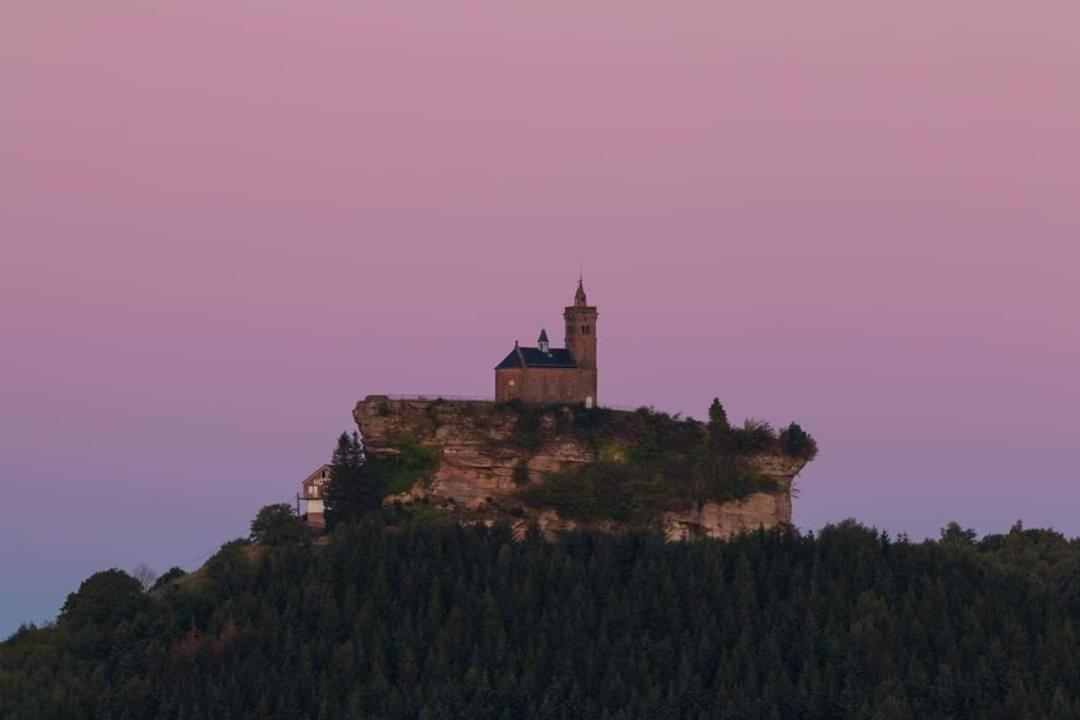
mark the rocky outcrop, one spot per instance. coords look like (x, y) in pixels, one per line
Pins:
(720, 520)
(482, 463)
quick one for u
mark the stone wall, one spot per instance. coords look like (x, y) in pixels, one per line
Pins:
(541, 385)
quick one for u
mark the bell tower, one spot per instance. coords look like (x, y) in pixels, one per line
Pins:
(581, 342)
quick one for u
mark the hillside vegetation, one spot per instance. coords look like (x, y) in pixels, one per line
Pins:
(451, 622)
(648, 461)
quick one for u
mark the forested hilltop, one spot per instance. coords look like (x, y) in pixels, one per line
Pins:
(452, 622)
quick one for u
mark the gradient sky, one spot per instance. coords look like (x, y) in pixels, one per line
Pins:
(223, 222)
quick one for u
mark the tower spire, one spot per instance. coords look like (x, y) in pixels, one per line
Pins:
(581, 342)
(579, 296)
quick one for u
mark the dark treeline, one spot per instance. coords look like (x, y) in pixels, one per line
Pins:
(448, 622)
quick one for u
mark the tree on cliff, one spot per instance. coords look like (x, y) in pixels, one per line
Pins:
(718, 419)
(352, 490)
(797, 442)
(719, 427)
(276, 525)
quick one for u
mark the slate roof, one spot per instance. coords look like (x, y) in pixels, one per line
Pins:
(553, 358)
(543, 336)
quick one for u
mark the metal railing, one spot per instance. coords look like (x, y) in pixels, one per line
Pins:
(476, 398)
(433, 398)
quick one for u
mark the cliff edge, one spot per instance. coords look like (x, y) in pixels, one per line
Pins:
(565, 467)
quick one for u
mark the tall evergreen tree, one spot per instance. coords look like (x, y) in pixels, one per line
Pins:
(718, 418)
(351, 491)
(719, 427)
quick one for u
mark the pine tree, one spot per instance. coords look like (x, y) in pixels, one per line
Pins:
(719, 427)
(351, 491)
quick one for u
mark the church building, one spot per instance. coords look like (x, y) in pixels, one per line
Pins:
(544, 374)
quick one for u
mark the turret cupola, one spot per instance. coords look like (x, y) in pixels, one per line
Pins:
(543, 343)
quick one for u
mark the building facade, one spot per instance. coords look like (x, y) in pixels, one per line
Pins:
(311, 493)
(544, 374)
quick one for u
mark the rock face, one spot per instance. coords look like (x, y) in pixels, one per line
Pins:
(480, 467)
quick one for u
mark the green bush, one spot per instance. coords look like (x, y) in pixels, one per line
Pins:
(798, 443)
(736, 479)
(415, 456)
(528, 430)
(615, 491)
(413, 516)
(168, 578)
(276, 525)
(755, 436)
(105, 596)
(637, 493)
(231, 558)
(396, 475)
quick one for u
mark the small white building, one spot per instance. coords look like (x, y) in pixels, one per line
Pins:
(312, 490)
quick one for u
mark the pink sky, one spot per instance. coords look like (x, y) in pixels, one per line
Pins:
(222, 223)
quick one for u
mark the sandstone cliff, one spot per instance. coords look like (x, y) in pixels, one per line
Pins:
(485, 462)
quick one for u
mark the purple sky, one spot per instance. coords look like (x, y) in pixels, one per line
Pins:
(223, 222)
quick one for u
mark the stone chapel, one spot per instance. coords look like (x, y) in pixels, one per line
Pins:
(544, 374)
